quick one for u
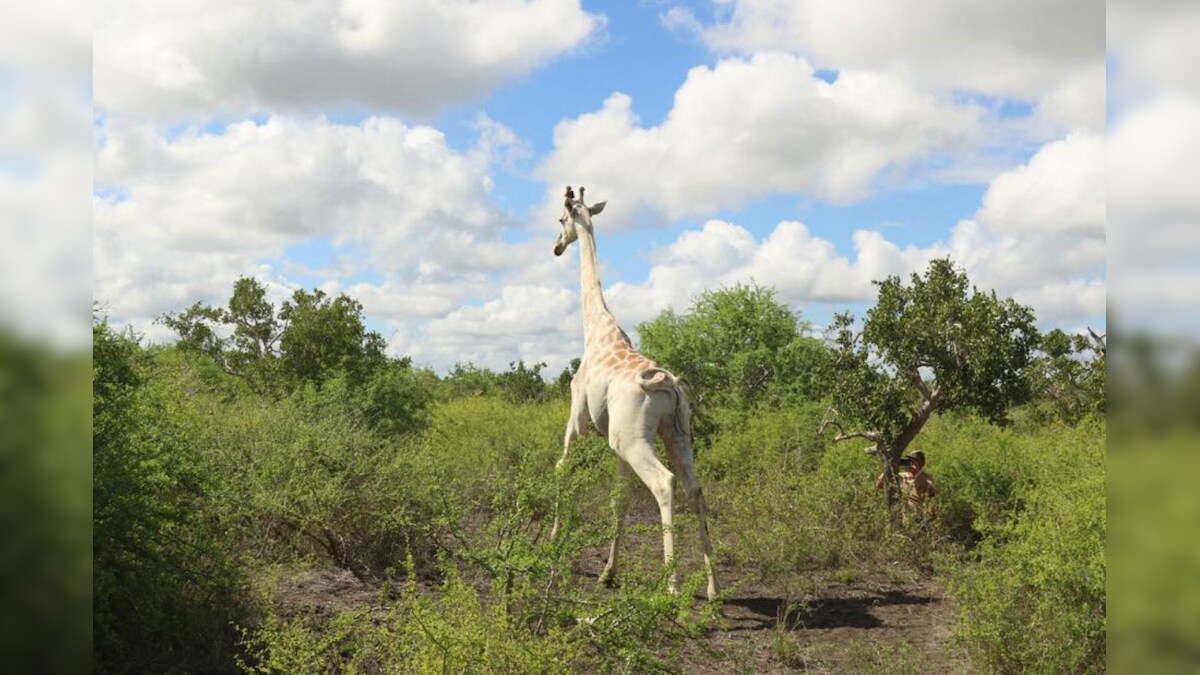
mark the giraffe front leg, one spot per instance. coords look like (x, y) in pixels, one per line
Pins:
(575, 426)
(620, 505)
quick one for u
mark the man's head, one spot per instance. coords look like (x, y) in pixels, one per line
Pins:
(915, 461)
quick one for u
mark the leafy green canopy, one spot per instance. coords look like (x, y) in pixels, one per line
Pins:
(932, 345)
(310, 339)
(736, 346)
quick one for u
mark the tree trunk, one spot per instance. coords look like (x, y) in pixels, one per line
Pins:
(891, 454)
(891, 467)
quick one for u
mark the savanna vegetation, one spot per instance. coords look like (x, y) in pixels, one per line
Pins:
(273, 442)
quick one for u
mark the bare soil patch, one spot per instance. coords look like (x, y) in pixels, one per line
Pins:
(892, 620)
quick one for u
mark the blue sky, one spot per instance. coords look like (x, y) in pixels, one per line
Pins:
(411, 154)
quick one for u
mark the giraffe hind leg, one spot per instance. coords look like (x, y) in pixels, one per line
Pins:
(639, 453)
(683, 460)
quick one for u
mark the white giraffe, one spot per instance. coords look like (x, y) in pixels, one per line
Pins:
(628, 399)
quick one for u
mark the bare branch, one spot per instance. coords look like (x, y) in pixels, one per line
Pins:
(869, 435)
(914, 373)
(827, 419)
(831, 420)
(1100, 340)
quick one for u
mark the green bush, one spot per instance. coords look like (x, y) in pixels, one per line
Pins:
(786, 501)
(763, 440)
(166, 578)
(1036, 599)
(475, 440)
(45, 506)
(456, 631)
(306, 477)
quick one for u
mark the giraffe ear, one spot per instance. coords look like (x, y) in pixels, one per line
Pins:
(596, 208)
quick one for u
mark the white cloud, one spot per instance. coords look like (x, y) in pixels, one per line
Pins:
(802, 268)
(1015, 263)
(1039, 237)
(45, 178)
(746, 128)
(180, 218)
(45, 170)
(199, 58)
(1154, 168)
(1060, 189)
(530, 322)
(1153, 47)
(1154, 208)
(1023, 48)
(1066, 301)
(47, 38)
(1154, 165)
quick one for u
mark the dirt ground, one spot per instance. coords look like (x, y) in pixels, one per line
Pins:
(890, 620)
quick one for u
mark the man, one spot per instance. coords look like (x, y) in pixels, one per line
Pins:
(915, 484)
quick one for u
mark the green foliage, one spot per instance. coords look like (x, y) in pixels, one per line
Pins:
(311, 475)
(1068, 378)
(466, 380)
(787, 503)
(524, 383)
(166, 580)
(508, 604)
(287, 439)
(562, 384)
(324, 336)
(1153, 509)
(474, 441)
(457, 631)
(975, 345)
(767, 439)
(394, 402)
(1036, 600)
(521, 383)
(312, 338)
(736, 347)
(45, 507)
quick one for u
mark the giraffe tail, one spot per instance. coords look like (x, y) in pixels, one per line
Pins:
(683, 412)
(657, 379)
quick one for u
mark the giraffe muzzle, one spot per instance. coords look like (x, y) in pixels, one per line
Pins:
(558, 249)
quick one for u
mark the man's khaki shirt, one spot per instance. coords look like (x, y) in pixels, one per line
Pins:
(917, 488)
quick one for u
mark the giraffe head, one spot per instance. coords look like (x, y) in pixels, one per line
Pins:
(575, 215)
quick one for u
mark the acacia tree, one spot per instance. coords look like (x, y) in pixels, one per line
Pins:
(935, 344)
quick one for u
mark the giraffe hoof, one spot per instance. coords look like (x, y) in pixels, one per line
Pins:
(608, 578)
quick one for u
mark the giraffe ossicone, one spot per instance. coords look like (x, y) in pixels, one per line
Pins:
(628, 399)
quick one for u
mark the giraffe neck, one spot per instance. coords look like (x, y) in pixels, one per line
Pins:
(597, 320)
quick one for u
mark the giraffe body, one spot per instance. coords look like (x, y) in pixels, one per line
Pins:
(628, 399)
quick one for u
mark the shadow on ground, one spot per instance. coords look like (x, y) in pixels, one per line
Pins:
(822, 613)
